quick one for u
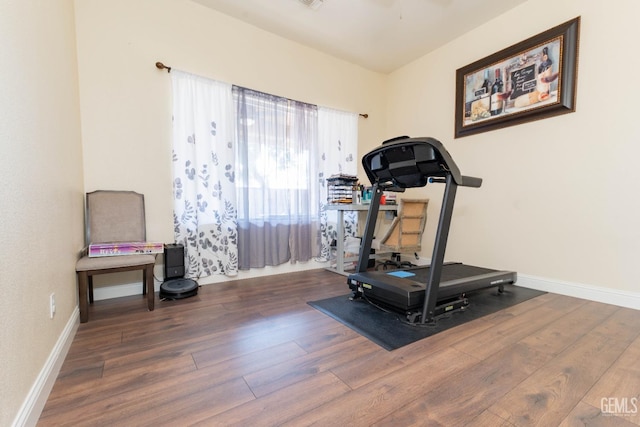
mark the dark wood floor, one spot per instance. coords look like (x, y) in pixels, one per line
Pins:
(253, 353)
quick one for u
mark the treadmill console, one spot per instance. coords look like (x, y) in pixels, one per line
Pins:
(406, 162)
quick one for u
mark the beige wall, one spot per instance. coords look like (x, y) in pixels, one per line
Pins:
(126, 101)
(560, 196)
(41, 192)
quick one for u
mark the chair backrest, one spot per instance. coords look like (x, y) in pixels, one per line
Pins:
(405, 232)
(115, 216)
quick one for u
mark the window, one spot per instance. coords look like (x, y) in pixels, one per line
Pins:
(277, 186)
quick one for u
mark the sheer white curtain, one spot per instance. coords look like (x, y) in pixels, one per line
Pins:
(250, 173)
(204, 174)
(338, 142)
(277, 188)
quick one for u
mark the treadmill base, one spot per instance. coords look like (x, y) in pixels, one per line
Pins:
(404, 290)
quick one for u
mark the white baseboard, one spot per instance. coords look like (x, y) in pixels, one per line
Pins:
(593, 293)
(34, 403)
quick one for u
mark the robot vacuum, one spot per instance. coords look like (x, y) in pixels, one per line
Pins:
(178, 289)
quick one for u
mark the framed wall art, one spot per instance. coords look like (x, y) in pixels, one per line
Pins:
(531, 80)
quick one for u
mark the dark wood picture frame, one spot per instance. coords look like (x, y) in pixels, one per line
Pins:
(536, 79)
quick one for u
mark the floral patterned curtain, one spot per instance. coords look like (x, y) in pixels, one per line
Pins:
(204, 174)
(338, 141)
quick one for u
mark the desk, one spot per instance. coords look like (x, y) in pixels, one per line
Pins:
(341, 208)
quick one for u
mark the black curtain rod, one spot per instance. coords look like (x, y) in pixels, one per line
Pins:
(161, 66)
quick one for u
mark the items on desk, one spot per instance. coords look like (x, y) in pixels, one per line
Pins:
(390, 198)
(357, 196)
(366, 195)
(387, 198)
(345, 189)
(340, 188)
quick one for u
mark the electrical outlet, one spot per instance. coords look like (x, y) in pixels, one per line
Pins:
(52, 305)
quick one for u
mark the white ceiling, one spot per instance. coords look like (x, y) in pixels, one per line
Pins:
(380, 35)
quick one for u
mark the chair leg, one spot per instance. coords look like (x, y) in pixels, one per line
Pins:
(90, 282)
(147, 277)
(82, 296)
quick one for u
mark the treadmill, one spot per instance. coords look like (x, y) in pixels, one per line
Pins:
(421, 293)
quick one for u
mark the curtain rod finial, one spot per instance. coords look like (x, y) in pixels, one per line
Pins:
(161, 66)
(365, 115)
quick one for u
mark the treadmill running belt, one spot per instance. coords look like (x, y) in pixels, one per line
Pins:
(450, 272)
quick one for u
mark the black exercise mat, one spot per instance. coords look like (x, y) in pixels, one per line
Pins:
(391, 331)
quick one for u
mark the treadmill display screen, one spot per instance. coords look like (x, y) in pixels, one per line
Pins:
(407, 164)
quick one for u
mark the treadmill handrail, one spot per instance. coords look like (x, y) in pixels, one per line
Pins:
(471, 181)
(467, 181)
